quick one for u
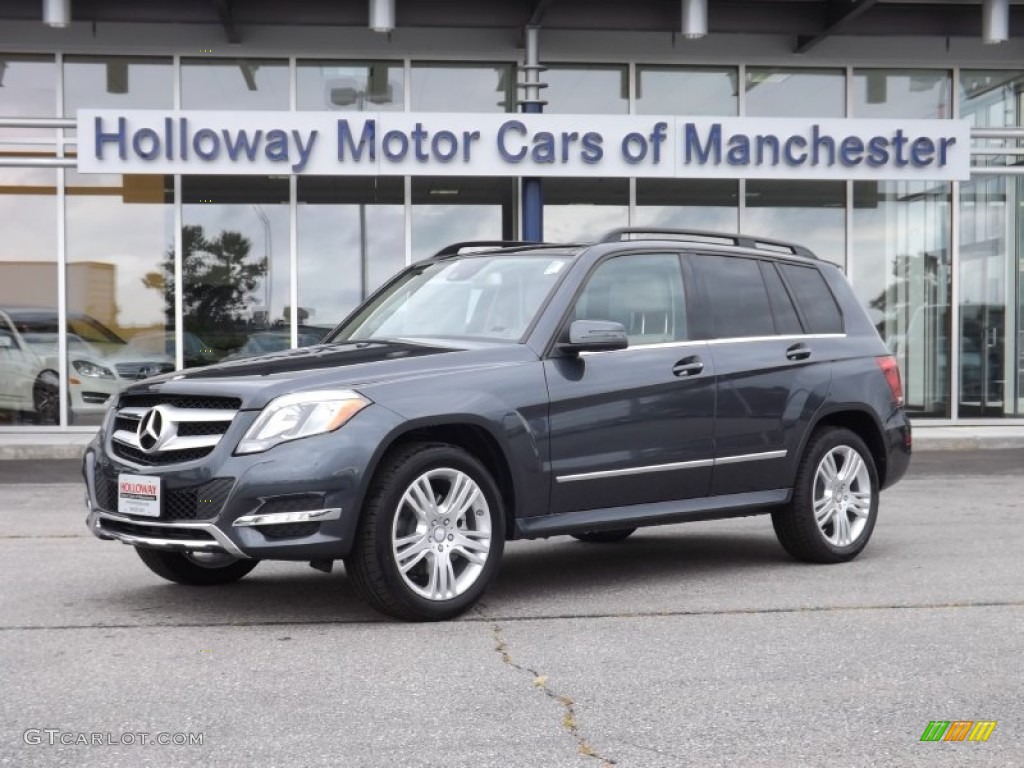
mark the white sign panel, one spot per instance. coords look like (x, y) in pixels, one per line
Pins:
(469, 144)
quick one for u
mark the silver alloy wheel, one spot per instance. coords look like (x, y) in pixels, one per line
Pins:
(441, 534)
(842, 496)
(210, 559)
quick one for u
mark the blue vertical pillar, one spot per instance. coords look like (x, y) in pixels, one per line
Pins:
(533, 193)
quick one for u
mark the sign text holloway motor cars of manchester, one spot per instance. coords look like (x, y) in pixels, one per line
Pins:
(326, 143)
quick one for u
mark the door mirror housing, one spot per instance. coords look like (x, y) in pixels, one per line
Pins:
(595, 336)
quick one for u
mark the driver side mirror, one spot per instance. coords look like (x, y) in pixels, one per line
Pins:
(595, 336)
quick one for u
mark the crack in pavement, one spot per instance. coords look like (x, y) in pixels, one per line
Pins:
(540, 681)
(506, 619)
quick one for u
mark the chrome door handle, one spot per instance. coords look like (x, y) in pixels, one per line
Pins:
(688, 366)
(798, 352)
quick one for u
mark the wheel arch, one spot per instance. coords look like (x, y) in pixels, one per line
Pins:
(472, 437)
(863, 424)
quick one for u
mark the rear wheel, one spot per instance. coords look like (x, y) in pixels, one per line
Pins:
(604, 537)
(835, 500)
(198, 569)
(431, 534)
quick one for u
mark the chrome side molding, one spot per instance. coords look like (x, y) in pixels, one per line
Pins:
(280, 518)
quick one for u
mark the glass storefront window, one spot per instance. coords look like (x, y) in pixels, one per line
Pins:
(449, 209)
(120, 254)
(910, 93)
(451, 87)
(29, 389)
(586, 89)
(351, 237)
(112, 82)
(579, 210)
(688, 204)
(235, 84)
(812, 213)
(792, 92)
(374, 86)
(235, 245)
(28, 88)
(686, 90)
(902, 272)
(991, 333)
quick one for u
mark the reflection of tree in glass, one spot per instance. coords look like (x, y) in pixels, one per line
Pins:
(217, 276)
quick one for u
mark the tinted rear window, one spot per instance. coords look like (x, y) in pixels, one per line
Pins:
(786, 320)
(821, 315)
(739, 301)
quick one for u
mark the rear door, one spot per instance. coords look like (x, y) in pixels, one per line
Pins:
(634, 425)
(773, 375)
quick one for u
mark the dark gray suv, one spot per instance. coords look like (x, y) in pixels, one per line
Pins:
(498, 391)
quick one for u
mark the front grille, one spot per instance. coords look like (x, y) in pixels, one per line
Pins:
(289, 530)
(156, 531)
(197, 502)
(158, 459)
(176, 438)
(180, 401)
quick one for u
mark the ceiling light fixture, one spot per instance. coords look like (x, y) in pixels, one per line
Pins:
(694, 18)
(995, 21)
(382, 15)
(56, 13)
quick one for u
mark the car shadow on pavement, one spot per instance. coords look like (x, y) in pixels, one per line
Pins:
(532, 573)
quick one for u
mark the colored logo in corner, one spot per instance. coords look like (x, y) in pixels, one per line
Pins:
(958, 730)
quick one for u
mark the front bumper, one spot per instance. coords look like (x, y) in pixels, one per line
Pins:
(297, 501)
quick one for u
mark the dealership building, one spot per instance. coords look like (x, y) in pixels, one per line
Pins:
(184, 182)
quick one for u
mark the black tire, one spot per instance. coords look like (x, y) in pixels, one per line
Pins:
(372, 565)
(795, 524)
(182, 569)
(604, 537)
(46, 398)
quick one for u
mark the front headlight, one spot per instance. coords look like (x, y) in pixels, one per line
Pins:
(300, 415)
(93, 371)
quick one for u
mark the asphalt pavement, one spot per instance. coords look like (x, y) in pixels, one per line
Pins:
(690, 645)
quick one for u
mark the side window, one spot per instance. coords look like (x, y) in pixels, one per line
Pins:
(787, 322)
(644, 292)
(814, 299)
(737, 296)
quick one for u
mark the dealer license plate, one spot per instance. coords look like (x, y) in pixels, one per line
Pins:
(138, 495)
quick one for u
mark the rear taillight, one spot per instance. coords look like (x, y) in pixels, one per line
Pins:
(891, 371)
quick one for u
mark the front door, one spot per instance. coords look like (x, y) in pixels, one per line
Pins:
(634, 425)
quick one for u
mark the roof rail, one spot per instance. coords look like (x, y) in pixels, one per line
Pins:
(706, 236)
(456, 248)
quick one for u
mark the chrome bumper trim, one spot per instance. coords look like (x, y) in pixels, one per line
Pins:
(220, 542)
(280, 518)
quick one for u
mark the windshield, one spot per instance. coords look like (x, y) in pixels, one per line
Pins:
(485, 297)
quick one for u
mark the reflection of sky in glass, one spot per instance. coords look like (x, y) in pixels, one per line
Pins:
(243, 217)
(330, 279)
(435, 226)
(781, 92)
(347, 86)
(582, 223)
(237, 84)
(29, 220)
(482, 88)
(585, 90)
(910, 93)
(135, 238)
(714, 218)
(90, 84)
(686, 91)
(29, 90)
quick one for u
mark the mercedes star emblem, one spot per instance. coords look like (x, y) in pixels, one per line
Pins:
(152, 427)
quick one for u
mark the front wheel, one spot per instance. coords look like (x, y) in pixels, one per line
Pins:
(431, 534)
(835, 500)
(197, 569)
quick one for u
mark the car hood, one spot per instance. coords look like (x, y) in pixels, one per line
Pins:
(357, 365)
